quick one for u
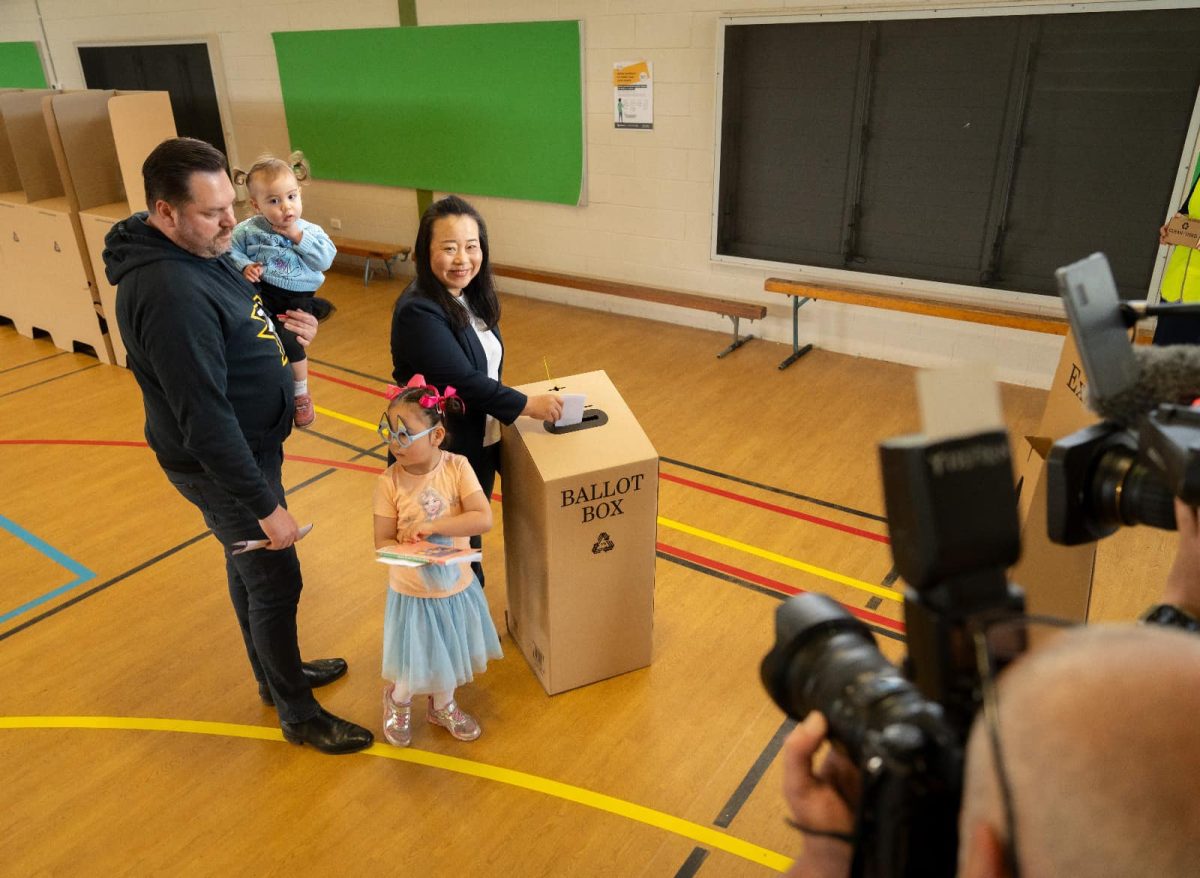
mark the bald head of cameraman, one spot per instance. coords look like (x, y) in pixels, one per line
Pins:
(1100, 736)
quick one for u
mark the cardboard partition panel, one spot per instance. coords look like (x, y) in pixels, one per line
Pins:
(30, 140)
(580, 522)
(96, 223)
(9, 178)
(1057, 579)
(140, 121)
(85, 148)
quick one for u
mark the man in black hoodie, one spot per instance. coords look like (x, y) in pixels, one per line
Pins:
(217, 389)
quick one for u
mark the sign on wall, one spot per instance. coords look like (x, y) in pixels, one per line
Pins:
(633, 94)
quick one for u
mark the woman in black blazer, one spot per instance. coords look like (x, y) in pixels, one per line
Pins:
(445, 326)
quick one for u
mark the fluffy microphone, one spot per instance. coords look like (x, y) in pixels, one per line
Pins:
(1164, 375)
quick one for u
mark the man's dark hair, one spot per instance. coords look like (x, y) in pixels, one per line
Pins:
(167, 171)
(480, 293)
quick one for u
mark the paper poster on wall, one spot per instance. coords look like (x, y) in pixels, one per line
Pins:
(633, 94)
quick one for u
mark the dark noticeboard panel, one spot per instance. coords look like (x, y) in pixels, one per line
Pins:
(978, 150)
(492, 109)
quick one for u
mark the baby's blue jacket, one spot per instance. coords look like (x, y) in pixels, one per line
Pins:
(296, 267)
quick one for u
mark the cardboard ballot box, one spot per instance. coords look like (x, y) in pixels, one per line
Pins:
(1057, 579)
(580, 517)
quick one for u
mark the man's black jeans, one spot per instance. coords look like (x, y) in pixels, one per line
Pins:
(264, 586)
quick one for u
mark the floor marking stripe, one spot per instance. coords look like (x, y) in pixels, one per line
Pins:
(729, 477)
(330, 413)
(599, 801)
(782, 559)
(339, 464)
(772, 586)
(345, 383)
(771, 507)
(82, 574)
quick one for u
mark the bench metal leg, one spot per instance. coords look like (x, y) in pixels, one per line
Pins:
(737, 342)
(387, 263)
(367, 270)
(797, 351)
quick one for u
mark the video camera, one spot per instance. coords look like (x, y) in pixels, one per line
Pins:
(1146, 451)
(952, 517)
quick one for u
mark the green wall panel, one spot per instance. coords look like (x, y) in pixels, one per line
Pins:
(492, 109)
(20, 66)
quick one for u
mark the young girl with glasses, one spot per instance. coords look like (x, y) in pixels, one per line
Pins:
(437, 631)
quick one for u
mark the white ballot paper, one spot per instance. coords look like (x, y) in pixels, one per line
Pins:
(572, 412)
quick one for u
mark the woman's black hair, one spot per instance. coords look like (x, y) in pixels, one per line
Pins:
(480, 293)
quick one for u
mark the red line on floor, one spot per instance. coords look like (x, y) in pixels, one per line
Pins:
(323, 376)
(773, 584)
(114, 442)
(782, 510)
(358, 467)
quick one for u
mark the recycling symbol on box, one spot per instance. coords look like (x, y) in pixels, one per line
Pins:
(603, 544)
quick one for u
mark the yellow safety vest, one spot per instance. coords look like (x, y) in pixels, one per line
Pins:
(1181, 280)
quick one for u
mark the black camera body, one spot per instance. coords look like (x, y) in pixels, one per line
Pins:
(952, 517)
(1128, 468)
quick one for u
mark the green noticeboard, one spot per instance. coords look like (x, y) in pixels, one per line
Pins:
(492, 109)
(20, 66)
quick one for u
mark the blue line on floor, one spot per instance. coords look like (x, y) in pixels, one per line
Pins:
(82, 574)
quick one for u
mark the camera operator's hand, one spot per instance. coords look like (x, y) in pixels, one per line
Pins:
(822, 799)
(1183, 580)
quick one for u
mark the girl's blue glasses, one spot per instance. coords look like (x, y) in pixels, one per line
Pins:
(401, 437)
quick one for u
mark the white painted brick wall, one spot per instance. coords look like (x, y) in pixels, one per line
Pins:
(648, 216)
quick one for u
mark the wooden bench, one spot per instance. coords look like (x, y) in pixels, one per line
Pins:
(801, 293)
(368, 250)
(730, 308)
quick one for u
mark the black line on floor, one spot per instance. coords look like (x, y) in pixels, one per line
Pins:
(892, 576)
(48, 380)
(754, 775)
(33, 362)
(361, 452)
(137, 569)
(102, 586)
(774, 490)
(754, 586)
(691, 866)
(349, 371)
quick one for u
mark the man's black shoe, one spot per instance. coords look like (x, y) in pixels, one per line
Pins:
(319, 672)
(328, 733)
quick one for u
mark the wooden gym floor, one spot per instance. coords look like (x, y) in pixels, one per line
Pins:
(132, 740)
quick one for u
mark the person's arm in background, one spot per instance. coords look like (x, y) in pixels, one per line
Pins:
(1183, 579)
(423, 338)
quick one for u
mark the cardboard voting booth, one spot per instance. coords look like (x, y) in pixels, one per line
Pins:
(580, 518)
(1057, 579)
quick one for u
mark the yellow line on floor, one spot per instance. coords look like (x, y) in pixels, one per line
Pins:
(330, 413)
(658, 819)
(869, 588)
(782, 559)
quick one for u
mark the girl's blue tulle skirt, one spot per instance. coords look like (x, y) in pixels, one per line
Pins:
(438, 644)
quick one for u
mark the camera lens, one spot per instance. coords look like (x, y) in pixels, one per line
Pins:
(1126, 492)
(824, 659)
